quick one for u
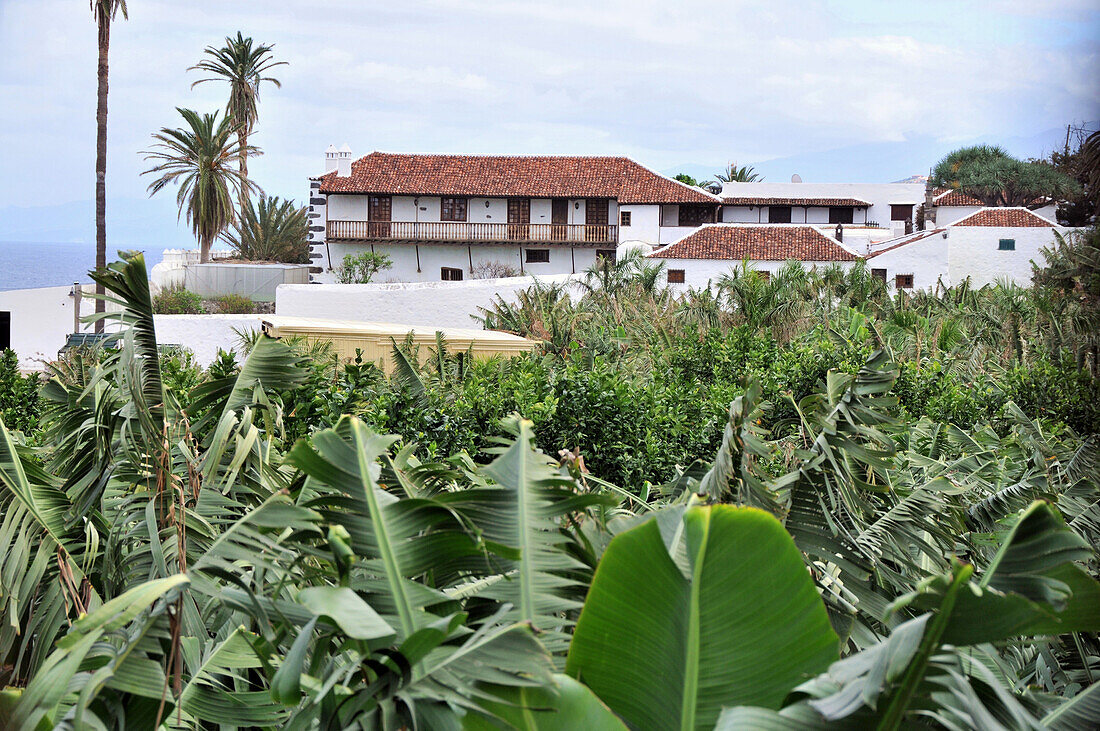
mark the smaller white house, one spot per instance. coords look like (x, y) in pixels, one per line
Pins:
(955, 205)
(714, 250)
(880, 210)
(985, 246)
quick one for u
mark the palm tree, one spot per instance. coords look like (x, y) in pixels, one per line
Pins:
(734, 174)
(199, 159)
(243, 66)
(271, 230)
(104, 12)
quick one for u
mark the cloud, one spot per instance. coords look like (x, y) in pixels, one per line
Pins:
(663, 82)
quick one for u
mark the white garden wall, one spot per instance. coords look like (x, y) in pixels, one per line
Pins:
(204, 335)
(438, 304)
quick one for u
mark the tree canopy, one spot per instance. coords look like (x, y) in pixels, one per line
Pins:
(996, 178)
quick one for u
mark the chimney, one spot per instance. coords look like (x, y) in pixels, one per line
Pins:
(330, 158)
(343, 162)
(929, 204)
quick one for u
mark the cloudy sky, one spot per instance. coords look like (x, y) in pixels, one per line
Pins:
(675, 85)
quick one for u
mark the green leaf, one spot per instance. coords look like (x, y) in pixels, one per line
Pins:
(286, 686)
(1079, 712)
(1031, 587)
(668, 651)
(347, 610)
(564, 705)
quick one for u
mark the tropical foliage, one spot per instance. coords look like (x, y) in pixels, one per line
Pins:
(242, 65)
(997, 179)
(271, 230)
(198, 159)
(171, 557)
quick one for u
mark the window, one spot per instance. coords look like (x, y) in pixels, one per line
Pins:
(695, 215)
(624, 218)
(452, 209)
(675, 276)
(879, 274)
(1006, 245)
(779, 214)
(901, 212)
(450, 274)
(903, 281)
(605, 254)
(841, 214)
(538, 256)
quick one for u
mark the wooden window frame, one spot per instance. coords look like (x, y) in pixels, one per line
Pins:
(450, 207)
(773, 208)
(609, 254)
(879, 274)
(624, 218)
(676, 276)
(698, 215)
(848, 211)
(896, 206)
(903, 281)
(540, 256)
(1006, 245)
(450, 274)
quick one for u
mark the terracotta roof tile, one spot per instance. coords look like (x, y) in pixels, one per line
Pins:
(502, 175)
(950, 197)
(1004, 218)
(744, 200)
(756, 242)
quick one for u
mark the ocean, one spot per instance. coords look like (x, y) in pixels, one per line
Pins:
(24, 265)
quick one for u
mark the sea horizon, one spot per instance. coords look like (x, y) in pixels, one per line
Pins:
(33, 264)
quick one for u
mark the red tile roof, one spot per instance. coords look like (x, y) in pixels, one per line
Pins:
(1004, 218)
(756, 242)
(743, 200)
(950, 197)
(910, 239)
(501, 175)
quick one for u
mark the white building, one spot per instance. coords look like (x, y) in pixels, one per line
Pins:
(716, 249)
(954, 205)
(870, 212)
(985, 246)
(448, 217)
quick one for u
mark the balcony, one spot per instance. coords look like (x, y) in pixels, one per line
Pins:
(479, 233)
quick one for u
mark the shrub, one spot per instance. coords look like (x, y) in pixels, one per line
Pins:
(177, 300)
(360, 268)
(19, 403)
(234, 304)
(493, 270)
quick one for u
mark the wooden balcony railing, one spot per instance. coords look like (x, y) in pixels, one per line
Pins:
(565, 233)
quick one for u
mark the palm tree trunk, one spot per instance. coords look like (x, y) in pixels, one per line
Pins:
(204, 250)
(101, 159)
(242, 138)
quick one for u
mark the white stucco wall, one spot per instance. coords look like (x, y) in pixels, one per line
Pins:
(204, 335)
(432, 257)
(645, 223)
(926, 260)
(438, 304)
(699, 272)
(973, 252)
